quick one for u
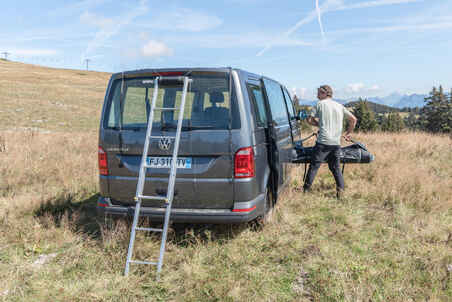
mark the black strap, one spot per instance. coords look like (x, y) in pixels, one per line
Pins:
(343, 167)
(304, 176)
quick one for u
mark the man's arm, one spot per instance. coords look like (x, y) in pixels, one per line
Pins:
(312, 121)
(351, 126)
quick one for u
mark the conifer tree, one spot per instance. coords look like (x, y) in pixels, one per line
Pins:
(436, 115)
(366, 117)
(392, 123)
(412, 121)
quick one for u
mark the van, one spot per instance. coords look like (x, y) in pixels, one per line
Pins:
(235, 148)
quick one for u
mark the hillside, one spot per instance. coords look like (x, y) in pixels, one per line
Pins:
(46, 98)
(377, 108)
(394, 100)
(389, 239)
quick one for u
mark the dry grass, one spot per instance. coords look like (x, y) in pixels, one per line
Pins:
(390, 239)
(46, 98)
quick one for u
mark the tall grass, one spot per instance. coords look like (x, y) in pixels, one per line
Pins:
(389, 239)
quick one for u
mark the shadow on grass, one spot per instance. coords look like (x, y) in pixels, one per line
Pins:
(81, 214)
(184, 235)
(82, 218)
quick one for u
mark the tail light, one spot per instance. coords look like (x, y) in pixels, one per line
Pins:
(103, 163)
(244, 163)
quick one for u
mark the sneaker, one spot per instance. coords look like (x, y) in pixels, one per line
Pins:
(339, 194)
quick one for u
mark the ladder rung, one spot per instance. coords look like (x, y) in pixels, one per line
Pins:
(143, 262)
(149, 229)
(153, 197)
(157, 136)
(166, 108)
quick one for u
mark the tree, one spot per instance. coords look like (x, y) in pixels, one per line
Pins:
(392, 122)
(366, 117)
(436, 115)
(412, 121)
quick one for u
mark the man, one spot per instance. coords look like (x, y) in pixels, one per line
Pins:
(328, 115)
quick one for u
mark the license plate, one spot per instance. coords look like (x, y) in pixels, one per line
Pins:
(165, 162)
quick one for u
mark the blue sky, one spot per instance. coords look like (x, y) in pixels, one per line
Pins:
(359, 47)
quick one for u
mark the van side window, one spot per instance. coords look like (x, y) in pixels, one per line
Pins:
(276, 101)
(115, 112)
(289, 104)
(258, 104)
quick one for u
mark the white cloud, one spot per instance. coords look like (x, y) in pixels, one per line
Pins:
(93, 19)
(237, 40)
(184, 19)
(299, 92)
(76, 7)
(156, 49)
(396, 27)
(109, 27)
(376, 3)
(361, 89)
(354, 87)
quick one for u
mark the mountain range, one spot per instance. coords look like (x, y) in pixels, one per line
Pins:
(395, 99)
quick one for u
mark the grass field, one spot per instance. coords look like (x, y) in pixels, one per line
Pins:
(389, 239)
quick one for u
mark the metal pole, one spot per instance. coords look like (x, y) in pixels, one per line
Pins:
(5, 53)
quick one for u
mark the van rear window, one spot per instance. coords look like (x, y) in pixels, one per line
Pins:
(207, 106)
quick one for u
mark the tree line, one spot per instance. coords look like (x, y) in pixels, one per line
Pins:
(435, 116)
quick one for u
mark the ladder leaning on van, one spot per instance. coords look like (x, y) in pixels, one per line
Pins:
(142, 175)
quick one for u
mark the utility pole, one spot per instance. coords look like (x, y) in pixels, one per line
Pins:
(87, 61)
(5, 54)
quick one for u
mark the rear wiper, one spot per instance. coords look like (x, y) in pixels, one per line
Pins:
(168, 126)
(174, 126)
(200, 127)
(188, 127)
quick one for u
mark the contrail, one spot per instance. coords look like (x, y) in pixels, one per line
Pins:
(336, 5)
(107, 30)
(320, 19)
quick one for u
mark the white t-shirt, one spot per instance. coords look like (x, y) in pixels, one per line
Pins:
(331, 116)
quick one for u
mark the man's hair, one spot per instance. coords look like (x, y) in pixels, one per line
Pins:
(327, 89)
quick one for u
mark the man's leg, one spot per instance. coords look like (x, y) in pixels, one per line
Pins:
(334, 166)
(317, 158)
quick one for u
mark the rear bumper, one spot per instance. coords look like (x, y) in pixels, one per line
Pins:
(244, 212)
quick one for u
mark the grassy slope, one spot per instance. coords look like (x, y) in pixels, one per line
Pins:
(38, 97)
(389, 239)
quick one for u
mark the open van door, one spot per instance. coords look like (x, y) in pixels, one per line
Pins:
(279, 134)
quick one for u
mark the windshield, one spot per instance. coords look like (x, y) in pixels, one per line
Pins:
(207, 105)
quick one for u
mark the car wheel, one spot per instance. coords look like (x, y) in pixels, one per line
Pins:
(269, 208)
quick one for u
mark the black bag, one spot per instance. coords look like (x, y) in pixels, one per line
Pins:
(356, 153)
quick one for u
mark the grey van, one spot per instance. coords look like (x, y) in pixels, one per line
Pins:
(235, 149)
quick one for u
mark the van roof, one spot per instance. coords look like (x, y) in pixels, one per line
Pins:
(148, 71)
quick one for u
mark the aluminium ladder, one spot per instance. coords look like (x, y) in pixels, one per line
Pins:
(142, 176)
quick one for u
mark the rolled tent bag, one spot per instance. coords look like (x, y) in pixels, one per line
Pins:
(356, 153)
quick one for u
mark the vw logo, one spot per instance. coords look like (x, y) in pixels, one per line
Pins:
(164, 143)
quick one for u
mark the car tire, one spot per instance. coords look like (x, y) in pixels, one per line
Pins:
(269, 208)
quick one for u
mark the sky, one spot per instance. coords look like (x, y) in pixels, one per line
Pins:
(359, 47)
